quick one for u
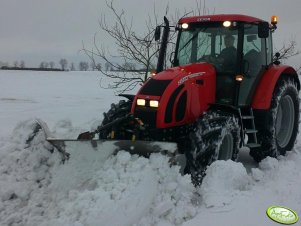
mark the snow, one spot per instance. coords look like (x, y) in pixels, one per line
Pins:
(218, 192)
(96, 188)
(71, 96)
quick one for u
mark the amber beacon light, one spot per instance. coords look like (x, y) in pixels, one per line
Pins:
(274, 19)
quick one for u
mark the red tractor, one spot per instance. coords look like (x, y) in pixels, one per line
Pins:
(225, 90)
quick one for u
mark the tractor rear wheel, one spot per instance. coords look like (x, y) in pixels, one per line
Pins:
(117, 111)
(216, 137)
(280, 129)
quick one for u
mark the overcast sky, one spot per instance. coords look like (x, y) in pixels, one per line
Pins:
(41, 30)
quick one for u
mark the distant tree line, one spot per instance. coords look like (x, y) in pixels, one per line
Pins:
(64, 65)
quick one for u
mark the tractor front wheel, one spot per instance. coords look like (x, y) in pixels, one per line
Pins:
(118, 110)
(216, 137)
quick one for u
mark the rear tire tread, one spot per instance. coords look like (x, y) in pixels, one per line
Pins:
(267, 135)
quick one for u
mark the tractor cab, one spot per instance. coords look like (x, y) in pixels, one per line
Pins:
(239, 47)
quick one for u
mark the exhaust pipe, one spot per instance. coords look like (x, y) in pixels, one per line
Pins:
(162, 52)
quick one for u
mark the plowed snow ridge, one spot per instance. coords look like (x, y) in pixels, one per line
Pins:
(94, 189)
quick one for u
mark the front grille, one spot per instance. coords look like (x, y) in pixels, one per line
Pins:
(170, 104)
(147, 115)
(181, 107)
(154, 87)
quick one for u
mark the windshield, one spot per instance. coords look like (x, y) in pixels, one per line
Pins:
(208, 42)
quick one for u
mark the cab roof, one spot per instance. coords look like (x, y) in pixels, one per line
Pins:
(219, 18)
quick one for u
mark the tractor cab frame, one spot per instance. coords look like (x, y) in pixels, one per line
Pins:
(202, 39)
(247, 56)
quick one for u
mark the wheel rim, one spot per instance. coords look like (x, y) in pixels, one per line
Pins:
(285, 121)
(226, 148)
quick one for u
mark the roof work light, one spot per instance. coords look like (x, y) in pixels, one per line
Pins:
(274, 20)
(227, 23)
(185, 25)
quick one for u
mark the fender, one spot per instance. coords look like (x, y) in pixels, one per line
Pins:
(264, 92)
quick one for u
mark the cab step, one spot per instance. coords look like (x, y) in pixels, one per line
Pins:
(248, 131)
(248, 125)
(247, 117)
(253, 145)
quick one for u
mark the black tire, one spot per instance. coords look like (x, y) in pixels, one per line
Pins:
(216, 137)
(280, 128)
(117, 111)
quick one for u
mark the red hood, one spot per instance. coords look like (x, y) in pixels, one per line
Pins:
(182, 71)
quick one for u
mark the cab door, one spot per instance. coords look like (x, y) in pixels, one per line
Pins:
(256, 55)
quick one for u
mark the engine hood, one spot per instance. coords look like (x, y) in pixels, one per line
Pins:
(182, 93)
(184, 73)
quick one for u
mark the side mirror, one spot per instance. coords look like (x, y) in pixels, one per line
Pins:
(263, 30)
(157, 33)
(276, 60)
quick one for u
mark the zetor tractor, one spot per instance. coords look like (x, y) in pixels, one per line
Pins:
(225, 90)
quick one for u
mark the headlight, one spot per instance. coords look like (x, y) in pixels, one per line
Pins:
(141, 102)
(154, 103)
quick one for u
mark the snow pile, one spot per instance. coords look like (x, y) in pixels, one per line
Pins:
(234, 197)
(96, 188)
(280, 180)
(116, 188)
(64, 128)
(24, 174)
(90, 188)
(175, 197)
(224, 180)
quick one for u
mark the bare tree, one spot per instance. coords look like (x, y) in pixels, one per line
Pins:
(132, 49)
(72, 67)
(63, 63)
(22, 64)
(98, 67)
(51, 64)
(16, 64)
(43, 64)
(83, 66)
(93, 65)
(287, 51)
(129, 66)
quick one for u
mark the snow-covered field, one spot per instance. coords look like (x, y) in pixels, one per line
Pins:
(93, 189)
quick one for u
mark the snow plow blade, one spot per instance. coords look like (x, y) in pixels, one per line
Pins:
(143, 148)
(107, 147)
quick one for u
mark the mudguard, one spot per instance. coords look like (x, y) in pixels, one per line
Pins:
(264, 91)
